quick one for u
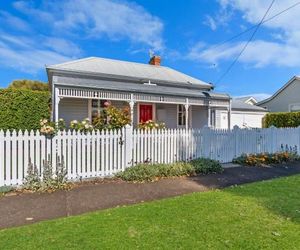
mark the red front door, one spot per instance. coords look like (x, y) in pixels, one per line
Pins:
(146, 112)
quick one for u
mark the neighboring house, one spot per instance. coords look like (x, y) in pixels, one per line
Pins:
(247, 99)
(245, 114)
(286, 99)
(150, 91)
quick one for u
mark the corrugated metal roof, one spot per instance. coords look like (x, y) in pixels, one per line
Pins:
(129, 69)
(240, 105)
(246, 98)
(137, 87)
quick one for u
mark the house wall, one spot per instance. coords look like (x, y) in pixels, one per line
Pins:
(285, 99)
(73, 109)
(167, 113)
(199, 116)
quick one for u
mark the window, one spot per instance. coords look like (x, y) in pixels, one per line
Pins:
(181, 115)
(295, 107)
(213, 118)
(97, 107)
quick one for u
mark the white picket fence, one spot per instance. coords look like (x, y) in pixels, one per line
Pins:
(103, 153)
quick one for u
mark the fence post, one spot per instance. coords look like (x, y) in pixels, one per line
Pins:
(236, 140)
(298, 146)
(206, 141)
(273, 146)
(128, 145)
(2, 157)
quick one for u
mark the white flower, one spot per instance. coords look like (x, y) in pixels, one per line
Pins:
(74, 121)
(86, 126)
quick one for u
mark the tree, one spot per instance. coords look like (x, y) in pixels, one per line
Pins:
(29, 84)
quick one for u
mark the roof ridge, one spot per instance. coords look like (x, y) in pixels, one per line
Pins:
(73, 61)
(108, 59)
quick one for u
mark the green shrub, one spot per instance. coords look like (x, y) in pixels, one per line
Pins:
(281, 120)
(151, 172)
(5, 189)
(23, 109)
(206, 166)
(139, 173)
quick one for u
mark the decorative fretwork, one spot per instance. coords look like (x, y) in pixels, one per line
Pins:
(123, 96)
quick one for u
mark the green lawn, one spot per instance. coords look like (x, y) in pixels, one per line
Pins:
(261, 215)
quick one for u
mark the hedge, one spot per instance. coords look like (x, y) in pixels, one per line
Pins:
(282, 119)
(23, 109)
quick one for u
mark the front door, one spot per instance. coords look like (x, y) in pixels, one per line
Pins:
(146, 112)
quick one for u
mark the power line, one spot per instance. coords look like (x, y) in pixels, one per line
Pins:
(246, 45)
(252, 27)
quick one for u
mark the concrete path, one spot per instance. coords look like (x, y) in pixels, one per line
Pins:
(29, 208)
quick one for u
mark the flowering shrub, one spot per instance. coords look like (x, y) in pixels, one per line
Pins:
(112, 118)
(152, 125)
(265, 158)
(51, 128)
(82, 126)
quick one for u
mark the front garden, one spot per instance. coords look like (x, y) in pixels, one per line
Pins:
(262, 215)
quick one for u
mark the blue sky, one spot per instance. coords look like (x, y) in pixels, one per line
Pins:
(184, 33)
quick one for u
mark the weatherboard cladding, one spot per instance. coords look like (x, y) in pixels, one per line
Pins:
(135, 87)
(73, 109)
(129, 69)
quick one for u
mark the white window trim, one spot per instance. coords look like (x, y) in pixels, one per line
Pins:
(177, 116)
(293, 104)
(90, 108)
(190, 121)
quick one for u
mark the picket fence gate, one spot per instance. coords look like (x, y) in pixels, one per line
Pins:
(103, 153)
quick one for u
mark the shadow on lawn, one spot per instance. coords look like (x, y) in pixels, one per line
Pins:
(281, 196)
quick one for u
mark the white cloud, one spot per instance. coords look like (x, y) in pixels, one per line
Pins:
(69, 19)
(283, 51)
(210, 21)
(62, 46)
(220, 18)
(29, 55)
(13, 21)
(29, 60)
(94, 19)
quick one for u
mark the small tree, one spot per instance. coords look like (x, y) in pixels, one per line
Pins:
(29, 84)
(112, 118)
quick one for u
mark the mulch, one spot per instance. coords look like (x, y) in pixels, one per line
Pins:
(27, 208)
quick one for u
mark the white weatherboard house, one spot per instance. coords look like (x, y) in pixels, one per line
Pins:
(245, 113)
(286, 99)
(151, 91)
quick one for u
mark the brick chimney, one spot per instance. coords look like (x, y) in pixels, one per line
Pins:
(155, 60)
